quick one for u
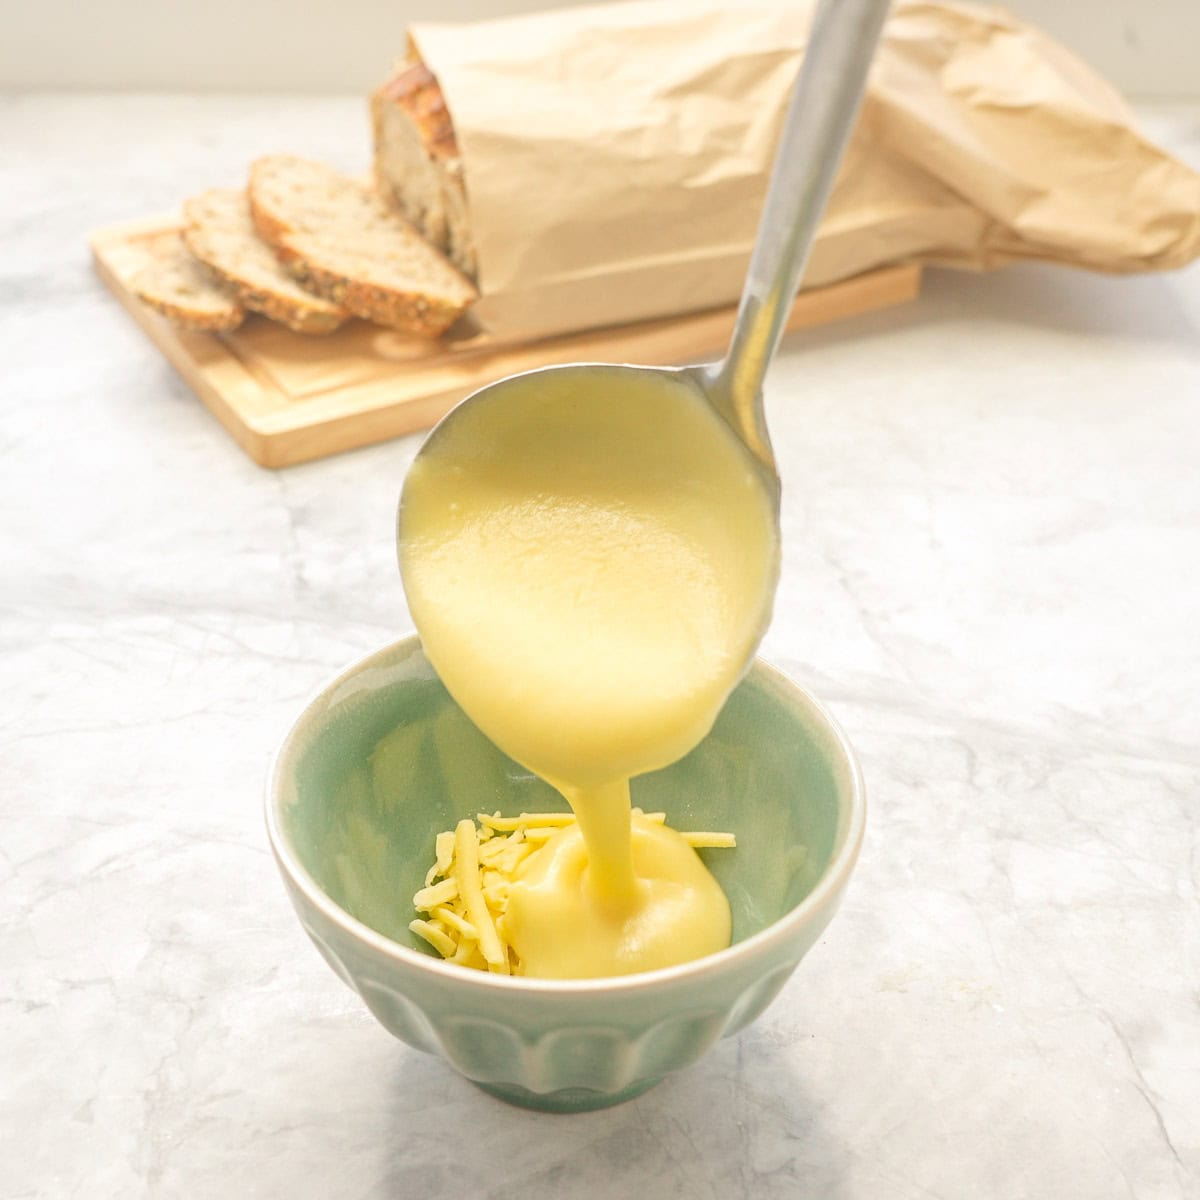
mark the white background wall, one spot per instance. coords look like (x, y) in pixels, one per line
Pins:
(1149, 48)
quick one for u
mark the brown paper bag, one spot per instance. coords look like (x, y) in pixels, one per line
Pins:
(616, 156)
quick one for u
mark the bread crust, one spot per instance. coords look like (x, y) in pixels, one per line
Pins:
(186, 317)
(412, 312)
(416, 90)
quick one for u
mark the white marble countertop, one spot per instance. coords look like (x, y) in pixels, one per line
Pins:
(992, 574)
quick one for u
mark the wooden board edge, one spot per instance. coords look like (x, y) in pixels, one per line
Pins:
(291, 445)
(293, 435)
(288, 431)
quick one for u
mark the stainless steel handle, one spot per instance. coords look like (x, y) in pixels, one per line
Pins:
(823, 108)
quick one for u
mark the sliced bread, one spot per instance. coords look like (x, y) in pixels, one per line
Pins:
(338, 238)
(418, 166)
(173, 283)
(219, 231)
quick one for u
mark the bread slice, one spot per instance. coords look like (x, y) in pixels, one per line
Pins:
(418, 166)
(219, 231)
(338, 238)
(173, 283)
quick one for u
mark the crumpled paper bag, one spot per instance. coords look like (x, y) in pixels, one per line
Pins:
(616, 156)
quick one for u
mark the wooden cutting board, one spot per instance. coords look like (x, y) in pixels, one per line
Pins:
(287, 398)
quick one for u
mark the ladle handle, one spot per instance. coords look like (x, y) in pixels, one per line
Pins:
(824, 104)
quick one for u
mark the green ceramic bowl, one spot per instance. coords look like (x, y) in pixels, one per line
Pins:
(383, 759)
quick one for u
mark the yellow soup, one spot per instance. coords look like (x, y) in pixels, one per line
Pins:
(590, 568)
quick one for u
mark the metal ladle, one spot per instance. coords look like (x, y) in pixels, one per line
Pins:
(822, 111)
(823, 108)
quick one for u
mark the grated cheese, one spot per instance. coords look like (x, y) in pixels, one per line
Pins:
(476, 865)
(710, 841)
(428, 898)
(470, 888)
(437, 938)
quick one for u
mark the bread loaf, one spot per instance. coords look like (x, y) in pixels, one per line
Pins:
(339, 239)
(417, 162)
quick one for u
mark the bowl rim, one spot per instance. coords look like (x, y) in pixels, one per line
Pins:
(832, 880)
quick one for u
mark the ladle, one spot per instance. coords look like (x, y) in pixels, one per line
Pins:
(823, 107)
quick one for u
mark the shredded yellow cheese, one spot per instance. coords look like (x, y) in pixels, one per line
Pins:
(703, 840)
(470, 888)
(437, 938)
(466, 890)
(444, 854)
(499, 824)
(428, 898)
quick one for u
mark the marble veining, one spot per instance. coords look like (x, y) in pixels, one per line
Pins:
(992, 576)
